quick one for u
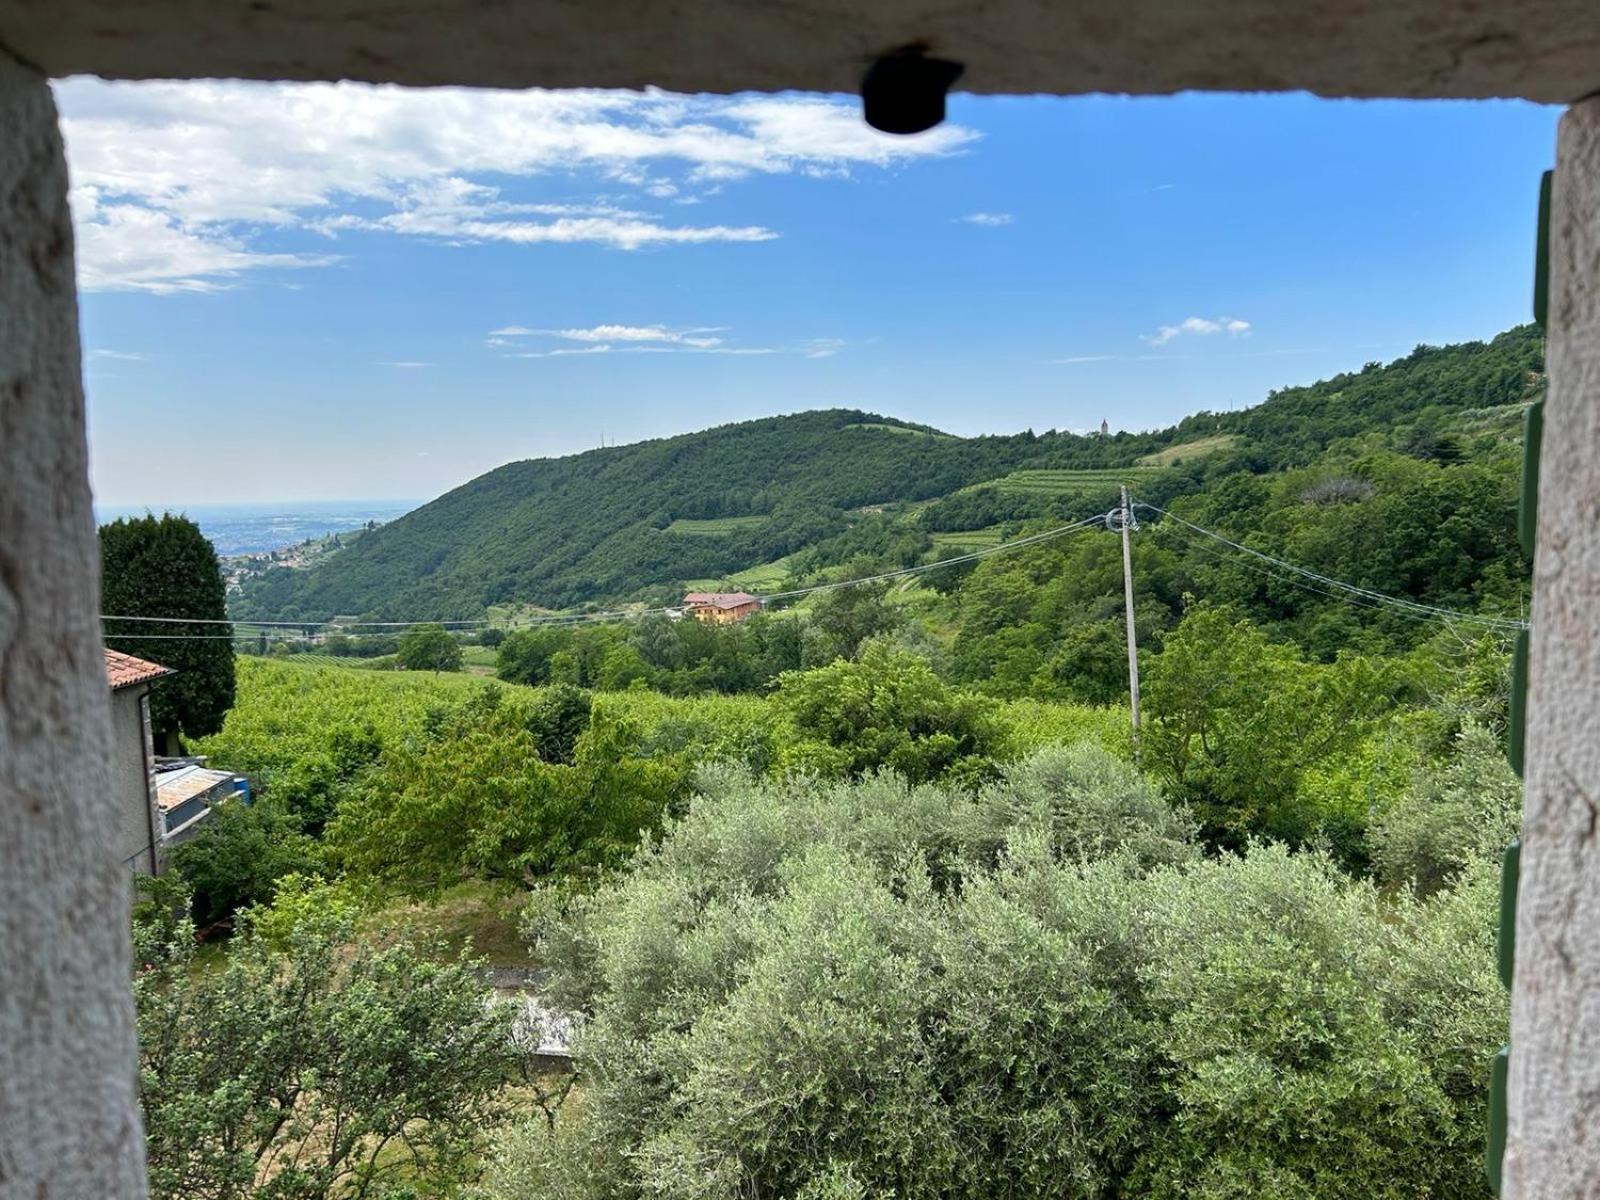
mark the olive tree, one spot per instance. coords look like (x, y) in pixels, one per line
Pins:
(325, 1070)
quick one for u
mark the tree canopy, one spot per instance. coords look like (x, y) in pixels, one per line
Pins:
(165, 567)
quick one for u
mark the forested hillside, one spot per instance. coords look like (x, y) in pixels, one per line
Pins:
(775, 499)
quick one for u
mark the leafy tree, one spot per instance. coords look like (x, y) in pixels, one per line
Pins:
(1236, 721)
(524, 654)
(1455, 813)
(849, 616)
(479, 800)
(887, 710)
(165, 567)
(238, 856)
(330, 1070)
(429, 648)
(558, 718)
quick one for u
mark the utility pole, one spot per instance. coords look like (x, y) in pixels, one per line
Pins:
(1127, 596)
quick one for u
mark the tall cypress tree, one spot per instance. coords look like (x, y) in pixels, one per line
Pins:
(165, 567)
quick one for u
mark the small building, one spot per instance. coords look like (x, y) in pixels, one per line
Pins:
(158, 804)
(186, 794)
(721, 608)
(137, 829)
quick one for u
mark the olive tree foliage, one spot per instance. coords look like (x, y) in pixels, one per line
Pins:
(165, 567)
(829, 989)
(1461, 811)
(322, 1070)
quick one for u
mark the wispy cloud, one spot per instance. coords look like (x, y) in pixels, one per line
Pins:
(405, 365)
(182, 187)
(1087, 358)
(991, 220)
(699, 336)
(1201, 326)
(562, 351)
(647, 339)
(117, 355)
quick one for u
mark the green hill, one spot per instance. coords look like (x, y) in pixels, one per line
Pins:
(818, 487)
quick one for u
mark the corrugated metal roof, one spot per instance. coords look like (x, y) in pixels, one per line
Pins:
(124, 670)
(174, 787)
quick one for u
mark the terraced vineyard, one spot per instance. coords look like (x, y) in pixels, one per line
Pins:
(1068, 482)
(715, 527)
(968, 540)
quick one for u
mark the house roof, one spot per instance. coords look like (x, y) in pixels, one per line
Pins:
(124, 670)
(176, 786)
(719, 599)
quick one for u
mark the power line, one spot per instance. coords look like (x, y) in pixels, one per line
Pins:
(254, 630)
(1372, 596)
(1278, 577)
(294, 624)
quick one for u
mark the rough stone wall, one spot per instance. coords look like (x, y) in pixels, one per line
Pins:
(1547, 50)
(1553, 1146)
(69, 1124)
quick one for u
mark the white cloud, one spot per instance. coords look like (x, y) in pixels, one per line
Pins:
(698, 337)
(177, 183)
(127, 247)
(118, 355)
(1203, 326)
(1087, 358)
(404, 366)
(991, 220)
(562, 351)
(648, 339)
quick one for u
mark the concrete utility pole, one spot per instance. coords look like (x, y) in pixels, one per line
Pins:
(1127, 597)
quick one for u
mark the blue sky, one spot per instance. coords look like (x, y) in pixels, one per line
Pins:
(324, 292)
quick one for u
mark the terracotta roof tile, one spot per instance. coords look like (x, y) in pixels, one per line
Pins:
(124, 670)
(719, 599)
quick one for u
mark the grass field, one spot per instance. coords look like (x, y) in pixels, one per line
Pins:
(1069, 482)
(715, 527)
(1188, 450)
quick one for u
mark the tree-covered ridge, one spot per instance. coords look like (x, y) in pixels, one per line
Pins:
(637, 521)
(560, 531)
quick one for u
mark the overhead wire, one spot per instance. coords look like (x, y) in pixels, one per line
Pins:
(1277, 569)
(255, 630)
(1371, 596)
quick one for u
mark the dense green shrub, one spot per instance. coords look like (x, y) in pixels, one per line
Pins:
(888, 709)
(877, 988)
(1460, 811)
(322, 1070)
(240, 853)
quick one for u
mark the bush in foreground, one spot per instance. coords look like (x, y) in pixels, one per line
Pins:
(828, 990)
(320, 1071)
